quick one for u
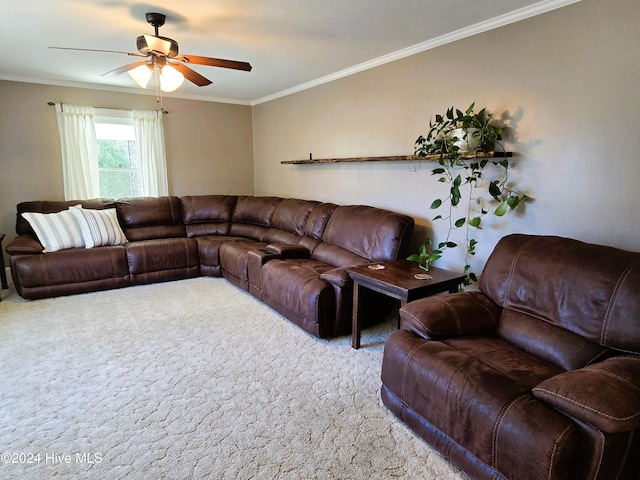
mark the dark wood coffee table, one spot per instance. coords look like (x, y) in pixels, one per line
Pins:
(397, 280)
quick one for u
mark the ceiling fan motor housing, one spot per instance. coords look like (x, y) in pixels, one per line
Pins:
(156, 45)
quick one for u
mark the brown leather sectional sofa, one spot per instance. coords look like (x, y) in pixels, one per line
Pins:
(290, 253)
(535, 376)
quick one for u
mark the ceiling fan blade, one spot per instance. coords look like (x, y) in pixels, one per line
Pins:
(104, 51)
(215, 62)
(191, 75)
(125, 68)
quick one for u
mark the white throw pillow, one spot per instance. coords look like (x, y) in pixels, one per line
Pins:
(56, 231)
(99, 227)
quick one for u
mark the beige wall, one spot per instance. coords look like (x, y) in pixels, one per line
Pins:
(567, 83)
(209, 145)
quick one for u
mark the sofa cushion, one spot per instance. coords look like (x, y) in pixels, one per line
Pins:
(549, 342)
(162, 259)
(209, 252)
(99, 227)
(372, 233)
(291, 215)
(149, 217)
(252, 216)
(70, 271)
(477, 390)
(318, 219)
(208, 214)
(593, 293)
(234, 260)
(56, 231)
(605, 395)
(294, 288)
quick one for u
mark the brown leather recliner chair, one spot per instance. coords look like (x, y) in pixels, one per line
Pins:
(534, 376)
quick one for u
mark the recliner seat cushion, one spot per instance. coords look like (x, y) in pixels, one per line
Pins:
(163, 259)
(234, 260)
(477, 390)
(69, 271)
(294, 288)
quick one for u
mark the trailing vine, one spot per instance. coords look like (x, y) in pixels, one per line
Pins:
(461, 142)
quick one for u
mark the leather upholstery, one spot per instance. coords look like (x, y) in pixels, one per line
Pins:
(528, 378)
(238, 237)
(151, 218)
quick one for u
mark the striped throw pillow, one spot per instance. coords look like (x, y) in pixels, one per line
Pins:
(99, 227)
(56, 231)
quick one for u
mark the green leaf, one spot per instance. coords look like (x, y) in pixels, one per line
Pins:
(460, 222)
(494, 190)
(437, 217)
(501, 209)
(436, 203)
(475, 222)
(455, 195)
(414, 257)
(457, 181)
(437, 171)
(513, 201)
(451, 245)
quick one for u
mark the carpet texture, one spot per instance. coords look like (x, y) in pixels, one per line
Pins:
(192, 379)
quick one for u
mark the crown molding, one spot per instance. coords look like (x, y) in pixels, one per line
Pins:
(112, 88)
(491, 24)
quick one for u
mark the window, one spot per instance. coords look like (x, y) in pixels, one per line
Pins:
(131, 162)
(119, 169)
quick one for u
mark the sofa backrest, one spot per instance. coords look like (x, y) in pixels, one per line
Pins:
(586, 291)
(252, 216)
(151, 217)
(359, 234)
(208, 214)
(289, 220)
(54, 206)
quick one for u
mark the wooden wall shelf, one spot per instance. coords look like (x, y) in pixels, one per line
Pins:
(399, 158)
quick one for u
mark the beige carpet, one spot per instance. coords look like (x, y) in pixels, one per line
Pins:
(187, 380)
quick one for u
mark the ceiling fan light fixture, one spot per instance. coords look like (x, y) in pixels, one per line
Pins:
(170, 79)
(141, 75)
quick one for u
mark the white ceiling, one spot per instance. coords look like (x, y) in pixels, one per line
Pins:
(291, 44)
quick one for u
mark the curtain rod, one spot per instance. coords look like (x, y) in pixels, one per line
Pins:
(52, 104)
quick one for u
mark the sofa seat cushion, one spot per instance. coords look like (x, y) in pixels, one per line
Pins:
(477, 389)
(70, 271)
(163, 259)
(209, 252)
(293, 287)
(234, 260)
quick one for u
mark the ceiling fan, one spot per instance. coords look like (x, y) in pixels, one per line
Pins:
(161, 55)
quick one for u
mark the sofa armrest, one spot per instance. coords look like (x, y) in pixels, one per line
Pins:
(288, 251)
(337, 276)
(605, 395)
(24, 245)
(465, 313)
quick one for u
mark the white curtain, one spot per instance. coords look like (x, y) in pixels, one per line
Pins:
(79, 150)
(150, 138)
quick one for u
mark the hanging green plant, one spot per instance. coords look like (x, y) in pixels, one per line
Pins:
(463, 145)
